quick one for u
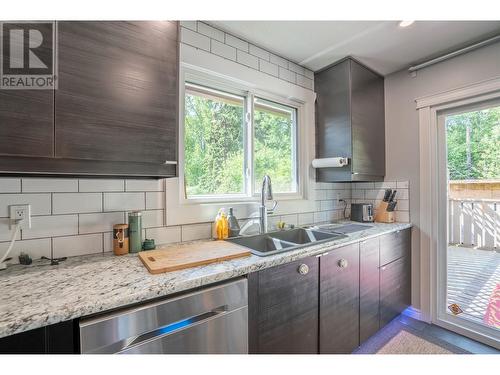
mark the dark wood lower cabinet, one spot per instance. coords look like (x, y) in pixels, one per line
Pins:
(283, 309)
(369, 253)
(339, 301)
(60, 338)
(395, 289)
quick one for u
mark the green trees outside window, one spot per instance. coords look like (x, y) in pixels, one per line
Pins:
(220, 150)
(473, 143)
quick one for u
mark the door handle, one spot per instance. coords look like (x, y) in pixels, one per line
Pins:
(343, 263)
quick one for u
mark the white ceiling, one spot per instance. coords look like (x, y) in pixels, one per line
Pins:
(381, 45)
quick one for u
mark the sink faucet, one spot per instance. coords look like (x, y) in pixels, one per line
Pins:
(266, 194)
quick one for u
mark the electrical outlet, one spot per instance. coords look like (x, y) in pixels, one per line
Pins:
(20, 213)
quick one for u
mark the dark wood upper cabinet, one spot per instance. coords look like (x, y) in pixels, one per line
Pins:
(368, 288)
(27, 119)
(283, 308)
(350, 121)
(117, 98)
(114, 113)
(339, 300)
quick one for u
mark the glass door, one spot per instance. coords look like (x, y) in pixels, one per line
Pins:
(469, 199)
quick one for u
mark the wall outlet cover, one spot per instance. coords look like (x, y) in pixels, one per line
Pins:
(20, 213)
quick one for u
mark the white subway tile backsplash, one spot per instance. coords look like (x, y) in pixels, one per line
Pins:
(49, 185)
(77, 245)
(108, 241)
(403, 216)
(40, 203)
(189, 24)
(326, 205)
(364, 185)
(152, 218)
(196, 232)
(247, 59)
(309, 74)
(259, 52)
(195, 39)
(319, 217)
(287, 75)
(51, 226)
(100, 185)
(296, 68)
(268, 68)
(402, 194)
(210, 31)
(321, 194)
(68, 203)
(306, 218)
(10, 185)
(101, 222)
(385, 185)
(145, 185)
(403, 184)
(155, 201)
(291, 219)
(403, 205)
(165, 235)
(237, 42)
(305, 82)
(280, 61)
(34, 248)
(223, 50)
(6, 231)
(358, 194)
(374, 194)
(124, 201)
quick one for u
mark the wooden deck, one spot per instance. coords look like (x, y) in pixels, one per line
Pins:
(472, 276)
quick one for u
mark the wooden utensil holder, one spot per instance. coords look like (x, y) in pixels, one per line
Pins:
(384, 216)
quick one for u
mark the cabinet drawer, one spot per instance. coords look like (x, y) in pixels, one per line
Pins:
(394, 246)
(395, 293)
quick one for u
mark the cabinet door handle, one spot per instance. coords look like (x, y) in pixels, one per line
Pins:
(303, 269)
(343, 263)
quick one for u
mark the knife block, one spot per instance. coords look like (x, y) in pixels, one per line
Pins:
(384, 216)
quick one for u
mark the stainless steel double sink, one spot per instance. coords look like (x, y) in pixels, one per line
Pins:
(281, 241)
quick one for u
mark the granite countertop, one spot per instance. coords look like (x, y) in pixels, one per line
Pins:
(39, 295)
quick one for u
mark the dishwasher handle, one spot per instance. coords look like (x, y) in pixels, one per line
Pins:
(174, 327)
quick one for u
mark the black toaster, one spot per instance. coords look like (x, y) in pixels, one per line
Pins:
(362, 212)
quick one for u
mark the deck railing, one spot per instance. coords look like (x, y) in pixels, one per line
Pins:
(474, 223)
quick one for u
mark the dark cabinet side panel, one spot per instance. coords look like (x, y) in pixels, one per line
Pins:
(368, 288)
(368, 121)
(27, 119)
(283, 309)
(339, 301)
(118, 91)
(395, 289)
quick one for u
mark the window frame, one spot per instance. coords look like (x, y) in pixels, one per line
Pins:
(249, 92)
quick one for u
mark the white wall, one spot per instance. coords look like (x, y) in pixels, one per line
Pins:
(402, 147)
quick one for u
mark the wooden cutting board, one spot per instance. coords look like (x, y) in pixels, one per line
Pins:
(183, 256)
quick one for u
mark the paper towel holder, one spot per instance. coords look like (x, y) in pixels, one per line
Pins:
(335, 162)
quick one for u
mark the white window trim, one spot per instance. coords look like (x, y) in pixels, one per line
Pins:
(432, 206)
(206, 69)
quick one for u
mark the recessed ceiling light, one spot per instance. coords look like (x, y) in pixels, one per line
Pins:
(405, 23)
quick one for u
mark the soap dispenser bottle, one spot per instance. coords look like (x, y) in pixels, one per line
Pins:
(234, 226)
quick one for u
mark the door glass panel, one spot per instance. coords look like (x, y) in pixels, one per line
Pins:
(473, 257)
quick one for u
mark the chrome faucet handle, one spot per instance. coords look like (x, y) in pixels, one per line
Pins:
(271, 210)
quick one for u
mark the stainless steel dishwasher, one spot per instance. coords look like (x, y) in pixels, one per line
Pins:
(208, 321)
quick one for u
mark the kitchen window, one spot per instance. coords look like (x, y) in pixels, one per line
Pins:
(232, 139)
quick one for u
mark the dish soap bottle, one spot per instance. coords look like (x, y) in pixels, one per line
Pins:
(234, 227)
(225, 225)
(220, 225)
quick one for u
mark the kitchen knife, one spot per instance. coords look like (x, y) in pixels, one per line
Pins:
(387, 195)
(392, 206)
(393, 195)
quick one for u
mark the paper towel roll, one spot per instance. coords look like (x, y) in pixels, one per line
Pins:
(330, 162)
